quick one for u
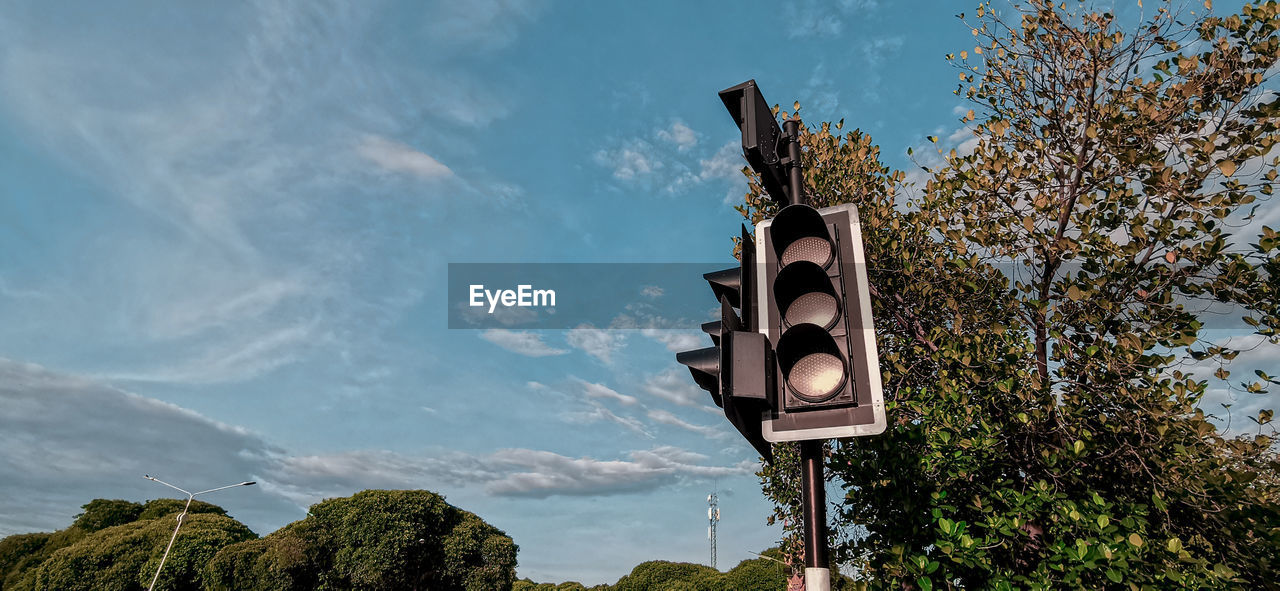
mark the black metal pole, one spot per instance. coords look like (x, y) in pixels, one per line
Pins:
(817, 574)
(814, 505)
(795, 174)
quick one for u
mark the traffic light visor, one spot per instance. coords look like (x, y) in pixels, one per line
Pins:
(800, 234)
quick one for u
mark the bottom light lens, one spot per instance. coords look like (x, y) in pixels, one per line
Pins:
(817, 377)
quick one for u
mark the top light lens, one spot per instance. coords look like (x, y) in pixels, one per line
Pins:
(809, 248)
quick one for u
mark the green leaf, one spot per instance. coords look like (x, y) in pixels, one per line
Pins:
(925, 584)
(1114, 575)
(1136, 540)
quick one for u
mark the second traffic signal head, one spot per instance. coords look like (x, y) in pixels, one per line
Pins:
(739, 370)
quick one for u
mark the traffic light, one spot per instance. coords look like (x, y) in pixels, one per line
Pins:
(762, 139)
(738, 371)
(815, 308)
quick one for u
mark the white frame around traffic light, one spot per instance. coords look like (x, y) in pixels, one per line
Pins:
(862, 307)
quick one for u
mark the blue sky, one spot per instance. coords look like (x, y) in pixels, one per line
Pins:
(225, 230)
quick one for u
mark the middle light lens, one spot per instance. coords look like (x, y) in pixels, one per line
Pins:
(815, 307)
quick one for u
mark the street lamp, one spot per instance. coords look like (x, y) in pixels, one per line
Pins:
(190, 496)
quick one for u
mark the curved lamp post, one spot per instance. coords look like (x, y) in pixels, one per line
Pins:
(190, 497)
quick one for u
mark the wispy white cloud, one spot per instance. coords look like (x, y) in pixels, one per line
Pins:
(529, 344)
(641, 162)
(667, 418)
(677, 340)
(594, 412)
(604, 392)
(680, 135)
(394, 156)
(815, 18)
(482, 24)
(596, 342)
(307, 479)
(876, 53)
(239, 359)
(674, 385)
(244, 151)
(821, 94)
(543, 474)
(580, 401)
(725, 164)
(504, 315)
(11, 292)
(636, 159)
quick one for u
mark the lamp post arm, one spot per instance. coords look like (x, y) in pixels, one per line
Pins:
(185, 492)
(220, 488)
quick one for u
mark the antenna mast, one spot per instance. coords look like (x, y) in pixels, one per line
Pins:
(713, 517)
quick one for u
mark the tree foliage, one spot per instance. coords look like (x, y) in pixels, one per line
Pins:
(373, 540)
(767, 573)
(20, 554)
(1042, 308)
(158, 508)
(125, 557)
(376, 539)
(527, 585)
(103, 513)
(660, 574)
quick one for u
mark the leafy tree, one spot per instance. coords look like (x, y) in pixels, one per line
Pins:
(660, 574)
(161, 507)
(1040, 306)
(528, 585)
(125, 557)
(377, 539)
(757, 574)
(103, 513)
(20, 553)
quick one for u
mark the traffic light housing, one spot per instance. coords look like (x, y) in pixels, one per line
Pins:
(738, 371)
(762, 142)
(815, 308)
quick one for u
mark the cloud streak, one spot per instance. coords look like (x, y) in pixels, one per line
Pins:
(64, 434)
(394, 156)
(258, 167)
(529, 344)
